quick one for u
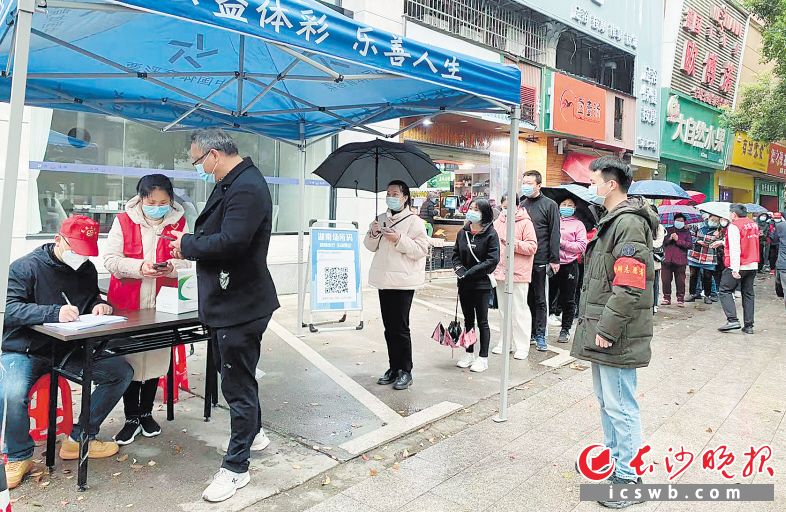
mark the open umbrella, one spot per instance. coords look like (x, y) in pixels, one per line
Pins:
(695, 198)
(586, 202)
(717, 208)
(657, 189)
(372, 165)
(755, 208)
(667, 213)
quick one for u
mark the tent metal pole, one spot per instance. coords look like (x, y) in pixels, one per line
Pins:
(241, 73)
(267, 88)
(507, 319)
(10, 50)
(301, 235)
(198, 106)
(24, 22)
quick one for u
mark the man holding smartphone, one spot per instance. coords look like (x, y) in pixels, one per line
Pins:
(237, 296)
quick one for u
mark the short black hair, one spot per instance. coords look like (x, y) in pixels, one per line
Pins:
(148, 184)
(612, 168)
(404, 190)
(680, 216)
(505, 198)
(740, 209)
(538, 176)
(486, 213)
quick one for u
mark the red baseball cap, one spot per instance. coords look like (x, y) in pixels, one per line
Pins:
(777, 215)
(82, 234)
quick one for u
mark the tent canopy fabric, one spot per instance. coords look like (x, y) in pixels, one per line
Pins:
(289, 69)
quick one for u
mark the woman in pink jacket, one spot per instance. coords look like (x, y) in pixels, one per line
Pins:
(572, 244)
(525, 245)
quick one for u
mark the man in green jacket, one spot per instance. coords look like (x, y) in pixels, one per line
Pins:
(615, 313)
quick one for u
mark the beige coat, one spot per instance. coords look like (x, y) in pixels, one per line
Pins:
(147, 365)
(400, 266)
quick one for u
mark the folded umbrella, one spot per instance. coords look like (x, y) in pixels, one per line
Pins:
(372, 165)
(667, 213)
(657, 189)
(587, 203)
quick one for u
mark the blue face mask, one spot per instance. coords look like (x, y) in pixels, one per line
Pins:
(473, 216)
(566, 211)
(527, 190)
(394, 203)
(156, 212)
(679, 224)
(204, 175)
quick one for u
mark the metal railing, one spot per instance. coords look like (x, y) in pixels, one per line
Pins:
(485, 22)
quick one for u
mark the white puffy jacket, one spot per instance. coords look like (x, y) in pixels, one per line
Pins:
(399, 266)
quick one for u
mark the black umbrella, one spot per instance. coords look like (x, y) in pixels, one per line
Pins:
(587, 205)
(372, 165)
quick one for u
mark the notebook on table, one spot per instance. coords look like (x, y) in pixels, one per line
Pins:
(86, 322)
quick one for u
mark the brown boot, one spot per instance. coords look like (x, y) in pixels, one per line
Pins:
(15, 472)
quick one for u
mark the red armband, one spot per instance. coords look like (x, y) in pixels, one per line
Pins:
(630, 272)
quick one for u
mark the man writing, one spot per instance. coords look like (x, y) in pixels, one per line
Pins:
(741, 258)
(237, 296)
(615, 314)
(545, 217)
(54, 283)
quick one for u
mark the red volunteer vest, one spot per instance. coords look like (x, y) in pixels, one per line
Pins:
(749, 243)
(124, 293)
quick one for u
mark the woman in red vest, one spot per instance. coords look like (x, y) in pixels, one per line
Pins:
(140, 260)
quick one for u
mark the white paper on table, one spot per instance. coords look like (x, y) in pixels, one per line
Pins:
(86, 322)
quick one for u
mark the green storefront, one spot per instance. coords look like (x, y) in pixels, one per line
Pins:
(693, 144)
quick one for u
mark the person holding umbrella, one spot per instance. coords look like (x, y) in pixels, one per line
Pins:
(678, 241)
(399, 242)
(475, 257)
(573, 243)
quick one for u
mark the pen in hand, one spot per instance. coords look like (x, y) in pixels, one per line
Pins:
(65, 298)
(69, 313)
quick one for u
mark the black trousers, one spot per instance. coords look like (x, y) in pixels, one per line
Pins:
(139, 397)
(565, 282)
(475, 306)
(669, 271)
(236, 352)
(395, 306)
(773, 256)
(726, 295)
(537, 300)
(706, 280)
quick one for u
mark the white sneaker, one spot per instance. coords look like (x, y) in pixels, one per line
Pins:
(466, 360)
(481, 364)
(521, 354)
(498, 348)
(261, 441)
(224, 485)
(555, 321)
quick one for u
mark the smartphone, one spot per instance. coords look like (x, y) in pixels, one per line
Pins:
(160, 266)
(166, 237)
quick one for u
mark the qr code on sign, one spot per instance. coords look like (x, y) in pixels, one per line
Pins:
(336, 280)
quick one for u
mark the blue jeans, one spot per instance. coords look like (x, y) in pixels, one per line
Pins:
(615, 389)
(18, 373)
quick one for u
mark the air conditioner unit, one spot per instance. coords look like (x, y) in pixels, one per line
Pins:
(436, 22)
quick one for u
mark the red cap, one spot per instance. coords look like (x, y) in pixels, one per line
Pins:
(82, 234)
(777, 215)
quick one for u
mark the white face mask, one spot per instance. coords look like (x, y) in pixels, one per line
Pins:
(73, 259)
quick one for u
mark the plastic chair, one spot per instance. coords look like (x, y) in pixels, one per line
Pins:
(181, 375)
(39, 408)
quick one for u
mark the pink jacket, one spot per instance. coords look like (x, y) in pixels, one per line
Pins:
(573, 239)
(526, 244)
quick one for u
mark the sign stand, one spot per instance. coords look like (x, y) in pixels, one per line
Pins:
(334, 279)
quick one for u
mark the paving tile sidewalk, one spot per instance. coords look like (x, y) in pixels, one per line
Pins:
(703, 389)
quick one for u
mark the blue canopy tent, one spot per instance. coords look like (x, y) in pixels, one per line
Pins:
(293, 70)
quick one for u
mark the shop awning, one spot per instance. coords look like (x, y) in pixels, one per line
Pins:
(289, 69)
(577, 166)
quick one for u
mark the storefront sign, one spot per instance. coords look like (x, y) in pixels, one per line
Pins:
(335, 270)
(577, 108)
(691, 132)
(442, 181)
(767, 188)
(603, 28)
(777, 162)
(750, 154)
(709, 46)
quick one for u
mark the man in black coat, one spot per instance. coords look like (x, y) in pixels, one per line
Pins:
(237, 296)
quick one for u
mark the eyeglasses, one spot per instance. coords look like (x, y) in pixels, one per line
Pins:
(201, 157)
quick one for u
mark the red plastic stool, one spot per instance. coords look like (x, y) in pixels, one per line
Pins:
(181, 374)
(39, 408)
